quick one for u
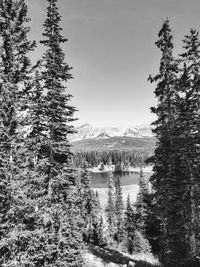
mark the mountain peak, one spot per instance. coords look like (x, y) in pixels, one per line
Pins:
(103, 135)
(87, 131)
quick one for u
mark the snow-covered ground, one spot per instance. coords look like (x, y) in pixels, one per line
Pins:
(137, 169)
(146, 257)
(88, 131)
(108, 168)
(93, 261)
(131, 190)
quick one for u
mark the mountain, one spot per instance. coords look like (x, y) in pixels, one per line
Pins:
(113, 138)
(121, 143)
(103, 136)
(88, 131)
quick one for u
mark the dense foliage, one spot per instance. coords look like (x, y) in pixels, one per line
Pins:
(40, 208)
(15, 69)
(176, 173)
(116, 157)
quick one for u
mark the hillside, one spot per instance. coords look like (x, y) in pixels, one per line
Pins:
(115, 143)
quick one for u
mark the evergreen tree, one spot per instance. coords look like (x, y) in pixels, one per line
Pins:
(153, 227)
(15, 68)
(163, 178)
(35, 170)
(129, 226)
(100, 233)
(111, 208)
(175, 181)
(135, 241)
(98, 237)
(119, 209)
(61, 220)
(187, 145)
(90, 209)
(142, 204)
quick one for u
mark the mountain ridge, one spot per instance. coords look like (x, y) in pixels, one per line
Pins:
(87, 131)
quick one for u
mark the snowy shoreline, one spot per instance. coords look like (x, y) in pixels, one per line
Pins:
(111, 168)
(131, 190)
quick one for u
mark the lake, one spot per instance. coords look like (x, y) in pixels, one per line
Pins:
(99, 179)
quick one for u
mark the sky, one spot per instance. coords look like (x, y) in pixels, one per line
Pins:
(111, 47)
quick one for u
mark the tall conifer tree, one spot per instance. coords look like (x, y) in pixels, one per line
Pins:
(162, 180)
(129, 226)
(187, 147)
(61, 206)
(15, 68)
(111, 208)
(90, 208)
(142, 204)
(119, 211)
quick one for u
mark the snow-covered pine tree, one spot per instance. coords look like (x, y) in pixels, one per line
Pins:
(15, 68)
(61, 207)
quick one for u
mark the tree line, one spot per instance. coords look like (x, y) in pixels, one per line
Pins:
(94, 158)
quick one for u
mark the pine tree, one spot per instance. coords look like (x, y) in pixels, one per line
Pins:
(35, 171)
(90, 209)
(15, 68)
(163, 178)
(187, 149)
(61, 220)
(98, 238)
(135, 241)
(154, 233)
(175, 181)
(129, 226)
(119, 211)
(100, 233)
(111, 209)
(142, 204)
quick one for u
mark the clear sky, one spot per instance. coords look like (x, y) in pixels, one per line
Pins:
(111, 49)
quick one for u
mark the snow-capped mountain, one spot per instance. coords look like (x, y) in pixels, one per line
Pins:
(88, 131)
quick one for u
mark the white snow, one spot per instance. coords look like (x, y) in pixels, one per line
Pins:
(108, 168)
(131, 190)
(88, 131)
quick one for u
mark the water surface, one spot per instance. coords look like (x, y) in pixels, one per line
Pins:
(99, 179)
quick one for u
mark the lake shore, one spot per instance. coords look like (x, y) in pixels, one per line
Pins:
(111, 168)
(131, 190)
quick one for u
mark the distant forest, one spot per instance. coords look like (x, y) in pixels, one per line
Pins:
(115, 157)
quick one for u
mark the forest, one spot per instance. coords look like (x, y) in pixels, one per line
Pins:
(49, 213)
(115, 157)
